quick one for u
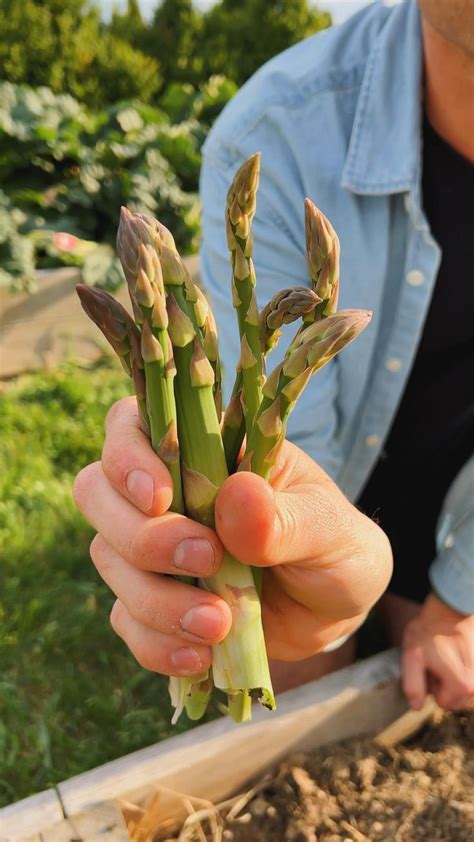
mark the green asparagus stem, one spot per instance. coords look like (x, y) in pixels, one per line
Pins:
(173, 360)
(233, 425)
(207, 323)
(240, 211)
(283, 308)
(311, 350)
(148, 298)
(240, 665)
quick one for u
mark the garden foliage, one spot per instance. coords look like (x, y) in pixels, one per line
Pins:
(64, 168)
(96, 114)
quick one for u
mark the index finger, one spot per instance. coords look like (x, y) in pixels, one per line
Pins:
(414, 678)
(130, 464)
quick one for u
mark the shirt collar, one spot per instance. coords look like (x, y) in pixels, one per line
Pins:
(385, 146)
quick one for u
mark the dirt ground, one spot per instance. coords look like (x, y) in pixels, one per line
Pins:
(355, 791)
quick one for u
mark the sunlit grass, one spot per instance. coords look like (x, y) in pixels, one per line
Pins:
(71, 696)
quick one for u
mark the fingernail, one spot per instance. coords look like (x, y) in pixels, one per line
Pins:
(205, 621)
(194, 555)
(186, 660)
(141, 488)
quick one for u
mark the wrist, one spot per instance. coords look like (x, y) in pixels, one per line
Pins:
(435, 606)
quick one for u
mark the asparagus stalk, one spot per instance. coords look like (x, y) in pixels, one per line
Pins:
(145, 369)
(207, 323)
(122, 334)
(240, 665)
(174, 363)
(283, 308)
(322, 258)
(240, 210)
(147, 293)
(233, 425)
(311, 350)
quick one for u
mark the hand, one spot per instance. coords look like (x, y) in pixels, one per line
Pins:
(438, 657)
(325, 563)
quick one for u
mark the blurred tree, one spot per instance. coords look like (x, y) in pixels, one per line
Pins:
(238, 36)
(173, 38)
(129, 24)
(63, 44)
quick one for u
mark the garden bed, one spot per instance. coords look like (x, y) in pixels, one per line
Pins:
(281, 777)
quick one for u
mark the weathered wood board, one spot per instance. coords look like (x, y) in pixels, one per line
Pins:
(28, 817)
(42, 329)
(361, 699)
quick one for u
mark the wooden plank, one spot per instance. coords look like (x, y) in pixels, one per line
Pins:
(361, 699)
(53, 322)
(408, 724)
(101, 823)
(27, 818)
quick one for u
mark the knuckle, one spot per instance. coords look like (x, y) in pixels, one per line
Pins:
(466, 685)
(117, 456)
(116, 616)
(83, 483)
(116, 411)
(99, 552)
(142, 547)
(148, 610)
(147, 656)
(137, 549)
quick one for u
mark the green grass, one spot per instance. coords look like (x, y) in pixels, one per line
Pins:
(71, 695)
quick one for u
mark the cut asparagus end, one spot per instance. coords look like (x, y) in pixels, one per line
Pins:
(239, 706)
(240, 663)
(190, 694)
(197, 700)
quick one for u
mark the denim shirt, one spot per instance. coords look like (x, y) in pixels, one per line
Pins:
(338, 118)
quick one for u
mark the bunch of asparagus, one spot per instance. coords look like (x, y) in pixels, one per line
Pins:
(170, 351)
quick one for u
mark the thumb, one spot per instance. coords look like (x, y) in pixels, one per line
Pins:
(265, 527)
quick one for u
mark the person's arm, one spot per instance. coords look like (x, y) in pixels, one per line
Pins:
(279, 256)
(452, 572)
(438, 647)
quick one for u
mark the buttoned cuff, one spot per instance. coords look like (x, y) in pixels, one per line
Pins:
(453, 581)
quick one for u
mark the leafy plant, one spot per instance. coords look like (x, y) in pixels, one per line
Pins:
(67, 169)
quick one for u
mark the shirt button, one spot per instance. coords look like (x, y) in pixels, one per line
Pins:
(449, 542)
(393, 364)
(372, 441)
(415, 278)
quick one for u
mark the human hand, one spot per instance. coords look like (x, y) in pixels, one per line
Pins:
(438, 656)
(325, 563)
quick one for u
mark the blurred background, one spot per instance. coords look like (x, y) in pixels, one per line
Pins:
(101, 104)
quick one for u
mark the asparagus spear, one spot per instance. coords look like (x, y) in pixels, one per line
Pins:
(123, 335)
(311, 350)
(240, 211)
(179, 340)
(283, 308)
(322, 258)
(240, 665)
(207, 323)
(148, 297)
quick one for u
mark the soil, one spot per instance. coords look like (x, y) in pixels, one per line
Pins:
(356, 791)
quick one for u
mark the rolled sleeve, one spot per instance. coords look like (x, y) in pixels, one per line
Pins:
(452, 572)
